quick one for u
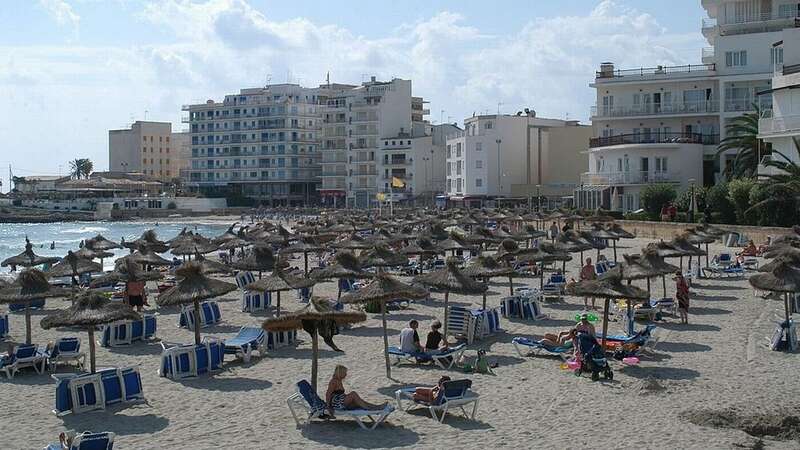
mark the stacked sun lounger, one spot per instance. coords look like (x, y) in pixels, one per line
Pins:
(190, 360)
(255, 301)
(17, 307)
(472, 324)
(4, 326)
(95, 391)
(209, 315)
(277, 339)
(525, 306)
(554, 287)
(126, 332)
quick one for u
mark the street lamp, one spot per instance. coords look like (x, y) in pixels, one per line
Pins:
(691, 200)
(538, 198)
(499, 177)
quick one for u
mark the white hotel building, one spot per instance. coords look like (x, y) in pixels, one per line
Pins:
(663, 124)
(780, 126)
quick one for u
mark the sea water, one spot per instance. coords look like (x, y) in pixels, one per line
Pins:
(67, 236)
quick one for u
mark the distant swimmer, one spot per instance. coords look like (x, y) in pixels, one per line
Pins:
(53, 245)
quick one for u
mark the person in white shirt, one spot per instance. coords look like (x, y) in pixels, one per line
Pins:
(409, 341)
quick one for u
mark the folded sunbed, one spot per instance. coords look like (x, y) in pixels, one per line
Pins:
(76, 393)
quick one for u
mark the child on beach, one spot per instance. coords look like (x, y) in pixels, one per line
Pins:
(682, 294)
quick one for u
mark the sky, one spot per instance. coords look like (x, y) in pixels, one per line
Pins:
(70, 70)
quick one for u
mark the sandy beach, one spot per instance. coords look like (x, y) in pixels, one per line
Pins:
(702, 374)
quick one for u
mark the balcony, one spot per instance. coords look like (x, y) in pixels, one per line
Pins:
(655, 138)
(656, 109)
(334, 173)
(634, 177)
(778, 125)
(745, 104)
(656, 72)
(707, 55)
(404, 177)
(398, 162)
(752, 23)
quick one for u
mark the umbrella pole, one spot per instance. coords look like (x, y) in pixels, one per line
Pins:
(786, 309)
(681, 263)
(197, 321)
(91, 349)
(446, 315)
(706, 254)
(510, 288)
(615, 250)
(664, 284)
(386, 341)
(605, 323)
(278, 306)
(541, 277)
(629, 312)
(314, 357)
(27, 323)
(305, 257)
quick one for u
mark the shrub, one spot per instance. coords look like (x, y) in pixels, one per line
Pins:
(172, 205)
(637, 216)
(700, 195)
(655, 196)
(739, 196)
(779, 211)
(722, 210)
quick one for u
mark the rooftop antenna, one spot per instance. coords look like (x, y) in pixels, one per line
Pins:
(268, 80)
(145, 114)
(328, 79)
(288, 76)
(441, 116)
(498, 107)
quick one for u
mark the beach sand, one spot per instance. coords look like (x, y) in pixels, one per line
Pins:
(705, 372)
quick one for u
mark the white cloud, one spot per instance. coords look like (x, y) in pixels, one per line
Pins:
(62, 12)
(220, 46)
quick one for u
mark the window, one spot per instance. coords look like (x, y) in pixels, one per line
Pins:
(736, 58)
(478, 182)
(449, 151)
(489, 125)
(478, 164)
(458, 150)
(776, 56)
(458, 184)
(478, 146)
(788, 10)
(661, 164)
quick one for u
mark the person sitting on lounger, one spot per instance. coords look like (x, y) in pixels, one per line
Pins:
(428, 395)
(336, 398)
(409, 341)
(749, 250)
(435, 338)
(553, 340)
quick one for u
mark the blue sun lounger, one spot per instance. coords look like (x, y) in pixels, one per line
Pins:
(307, 399)
(190, 360)
(125, 332)
(76, 393)
(246, 341)
(534, 347)
(87, 441)
(17, 307)
(454, 394)
(25, 355)
(65, 350)
(4, 326)
(209, 315)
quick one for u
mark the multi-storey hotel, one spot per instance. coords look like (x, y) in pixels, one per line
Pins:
(286, 144)
(663, 124)
(149, 148)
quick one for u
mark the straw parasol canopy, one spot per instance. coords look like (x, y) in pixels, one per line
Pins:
(101, 243)
(261, 259)
(28, 258)
(147, 257)
(279, 281)
(72, 266)
(150, 241)
(384, 288)
(305, 247)
(784, 278)
(777, 251)
(89, 310)
(31, 285)
(607, 288)
(450, 279)
(126, 270)
(210, 266)
(485, 267)
(88, 253)
(381, 256)
(192, 287)
(318, 318)
(345, 266)
(196, 244)
(228, 235)
(352, 242)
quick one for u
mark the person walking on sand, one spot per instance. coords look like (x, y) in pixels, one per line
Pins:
(682, 294)
(588, 274)
(553, 232)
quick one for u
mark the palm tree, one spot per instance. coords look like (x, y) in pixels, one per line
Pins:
(782, 190)
(81, 167)
(742, 135)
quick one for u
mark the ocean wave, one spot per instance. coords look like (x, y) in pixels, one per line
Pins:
(83, 230)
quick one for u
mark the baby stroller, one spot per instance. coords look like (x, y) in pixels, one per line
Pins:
(592, 357)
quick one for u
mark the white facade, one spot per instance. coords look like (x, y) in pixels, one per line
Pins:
(513, 155)
(663, 124)
(780, 126)
(148, 148)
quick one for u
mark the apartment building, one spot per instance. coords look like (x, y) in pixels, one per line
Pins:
(780, 126)
(146, 147)
(515, 156)
(359, 125)
(663, 123)
(262, 143)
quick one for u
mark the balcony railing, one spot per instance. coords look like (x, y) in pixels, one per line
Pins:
(655, 138)
(745, 104)
(779, 124)
(658, 70)
(633, 177)
(656, 109)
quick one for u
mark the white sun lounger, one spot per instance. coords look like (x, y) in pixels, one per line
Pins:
(307, 400)
(454, 394)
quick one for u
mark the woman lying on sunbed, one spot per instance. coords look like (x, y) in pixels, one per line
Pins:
(562, 338)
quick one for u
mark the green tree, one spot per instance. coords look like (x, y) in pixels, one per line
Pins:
(773, 205)
(742, 137)
(722, 209)
(739, 195)
(700, 194)
(81, 168)
(655, 196)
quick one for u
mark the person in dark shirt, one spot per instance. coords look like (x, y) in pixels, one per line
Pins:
(434, 337)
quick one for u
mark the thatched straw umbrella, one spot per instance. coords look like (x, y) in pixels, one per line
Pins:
(621, 233)
(150, 241)
(126, 270)
(305, 247)
(28, 258)
(31, 285)
(210, 266)
(775, 251)
(228, 235)
(598, 233)
(261, 259)
(89, 310)
(352, 242)
(681, 242)
(101, 243)
(147, 257)
(537, 255)
(578, 243)
(279, 281)
(384, 288)
(346, 266)
(791, 259)
(193, 286)
(450, 279)
(785, 278)
(486, 267)
(380, 257)
(89, 253)
(316, 318)
(606, 288)
(194, 245)
(72, 266)
(699, 237)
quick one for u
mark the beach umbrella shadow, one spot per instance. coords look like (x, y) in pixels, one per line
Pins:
(660, 372)
(226, 384)
(120, 424)
(338, 432)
